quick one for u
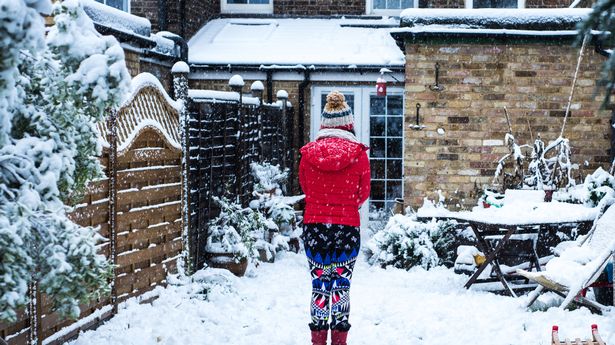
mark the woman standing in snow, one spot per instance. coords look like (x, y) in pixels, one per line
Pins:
(335, 177)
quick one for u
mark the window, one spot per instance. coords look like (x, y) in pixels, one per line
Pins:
(390, 7)
(386, 125)
(246, 6)
(123, 5)
(495, 3)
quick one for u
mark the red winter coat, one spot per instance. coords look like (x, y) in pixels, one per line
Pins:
(334, 175)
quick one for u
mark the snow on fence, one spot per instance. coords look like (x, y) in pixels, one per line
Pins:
(137, 208)
(226, 132)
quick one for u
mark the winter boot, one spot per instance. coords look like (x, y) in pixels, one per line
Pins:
(319, 334)
(339, 333)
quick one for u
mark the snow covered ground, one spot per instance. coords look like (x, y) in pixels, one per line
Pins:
(388, 307)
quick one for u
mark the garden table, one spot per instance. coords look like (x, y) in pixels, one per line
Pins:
(521, 220)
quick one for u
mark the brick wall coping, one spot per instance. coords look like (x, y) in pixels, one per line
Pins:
(504, 18)
(117, 19)
(452, 32)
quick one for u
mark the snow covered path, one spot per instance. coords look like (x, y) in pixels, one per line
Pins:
(388, 307)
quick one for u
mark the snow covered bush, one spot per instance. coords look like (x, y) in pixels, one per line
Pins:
(270, 200)
(235, 230)
(52, 92)
(597, 185)
(406, 243)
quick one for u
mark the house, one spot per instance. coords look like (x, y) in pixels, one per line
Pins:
(310, 47)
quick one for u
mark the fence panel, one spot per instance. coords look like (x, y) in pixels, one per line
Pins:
(226, 134)
(136, 207)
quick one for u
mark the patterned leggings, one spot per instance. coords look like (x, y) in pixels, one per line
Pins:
(331, 250)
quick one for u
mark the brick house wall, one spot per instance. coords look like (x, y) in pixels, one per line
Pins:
(196, 14)
(532, 80)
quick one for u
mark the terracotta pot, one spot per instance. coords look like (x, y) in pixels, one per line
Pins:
(227, 262)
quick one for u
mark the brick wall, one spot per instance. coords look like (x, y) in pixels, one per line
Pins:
(318, 7)
(196, 14)
(532, 80)
(147, 9)
(132, 62)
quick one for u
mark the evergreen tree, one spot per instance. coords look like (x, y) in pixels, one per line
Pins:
(52, 92)
(602, 19)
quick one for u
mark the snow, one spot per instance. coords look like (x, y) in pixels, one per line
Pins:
(142, 125)
(468, 31)
(500, 18)
(257, 85)
(390, 306)
(340, 42)
(144, 80)
(180, 67)
(282, 94)
(164, 45)
(236, 80)
(222, 96)
(520, 212)
(117, 19)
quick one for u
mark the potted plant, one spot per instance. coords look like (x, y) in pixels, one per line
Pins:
(230, 239)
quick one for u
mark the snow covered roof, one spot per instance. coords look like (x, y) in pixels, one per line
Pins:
(503, 21)
(303, 42)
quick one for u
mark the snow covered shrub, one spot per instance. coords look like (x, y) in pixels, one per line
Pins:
(52, 92)
(405, 243)
(270, 200)
(597, 185)
(235, 230)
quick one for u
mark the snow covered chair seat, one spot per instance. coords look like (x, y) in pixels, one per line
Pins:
(578, 266)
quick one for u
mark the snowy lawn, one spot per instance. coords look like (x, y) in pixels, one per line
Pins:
(388, 307)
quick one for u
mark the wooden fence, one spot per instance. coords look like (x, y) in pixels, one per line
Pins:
(136, 206)
(227, 131)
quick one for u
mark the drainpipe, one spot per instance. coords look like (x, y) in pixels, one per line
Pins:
(301, 115)
(182, 18)
(269, 83)
(162, 15)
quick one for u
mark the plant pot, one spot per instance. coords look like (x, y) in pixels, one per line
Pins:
(262, 256)
(227, 261)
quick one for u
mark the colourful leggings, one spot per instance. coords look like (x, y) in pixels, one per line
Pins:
(331, 250)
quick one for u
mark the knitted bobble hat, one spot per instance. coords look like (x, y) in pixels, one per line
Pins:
(337, 114)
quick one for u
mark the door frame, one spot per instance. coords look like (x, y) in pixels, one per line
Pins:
(362, 120)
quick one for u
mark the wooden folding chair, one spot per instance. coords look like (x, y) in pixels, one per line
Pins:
(601, 240)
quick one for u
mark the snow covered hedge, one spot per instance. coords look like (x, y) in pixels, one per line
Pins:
(406, 243)
(52, 92)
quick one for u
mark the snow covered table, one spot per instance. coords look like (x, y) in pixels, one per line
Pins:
(523, 220)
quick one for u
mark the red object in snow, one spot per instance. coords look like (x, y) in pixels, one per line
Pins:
(335, 177)
(381, 87)
(486, 204)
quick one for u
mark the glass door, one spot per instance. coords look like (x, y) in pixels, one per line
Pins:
(379, 123)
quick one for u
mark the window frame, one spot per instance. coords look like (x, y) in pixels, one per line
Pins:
(470, 4)
(369, 9)
(225, 7)
(126, 4)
